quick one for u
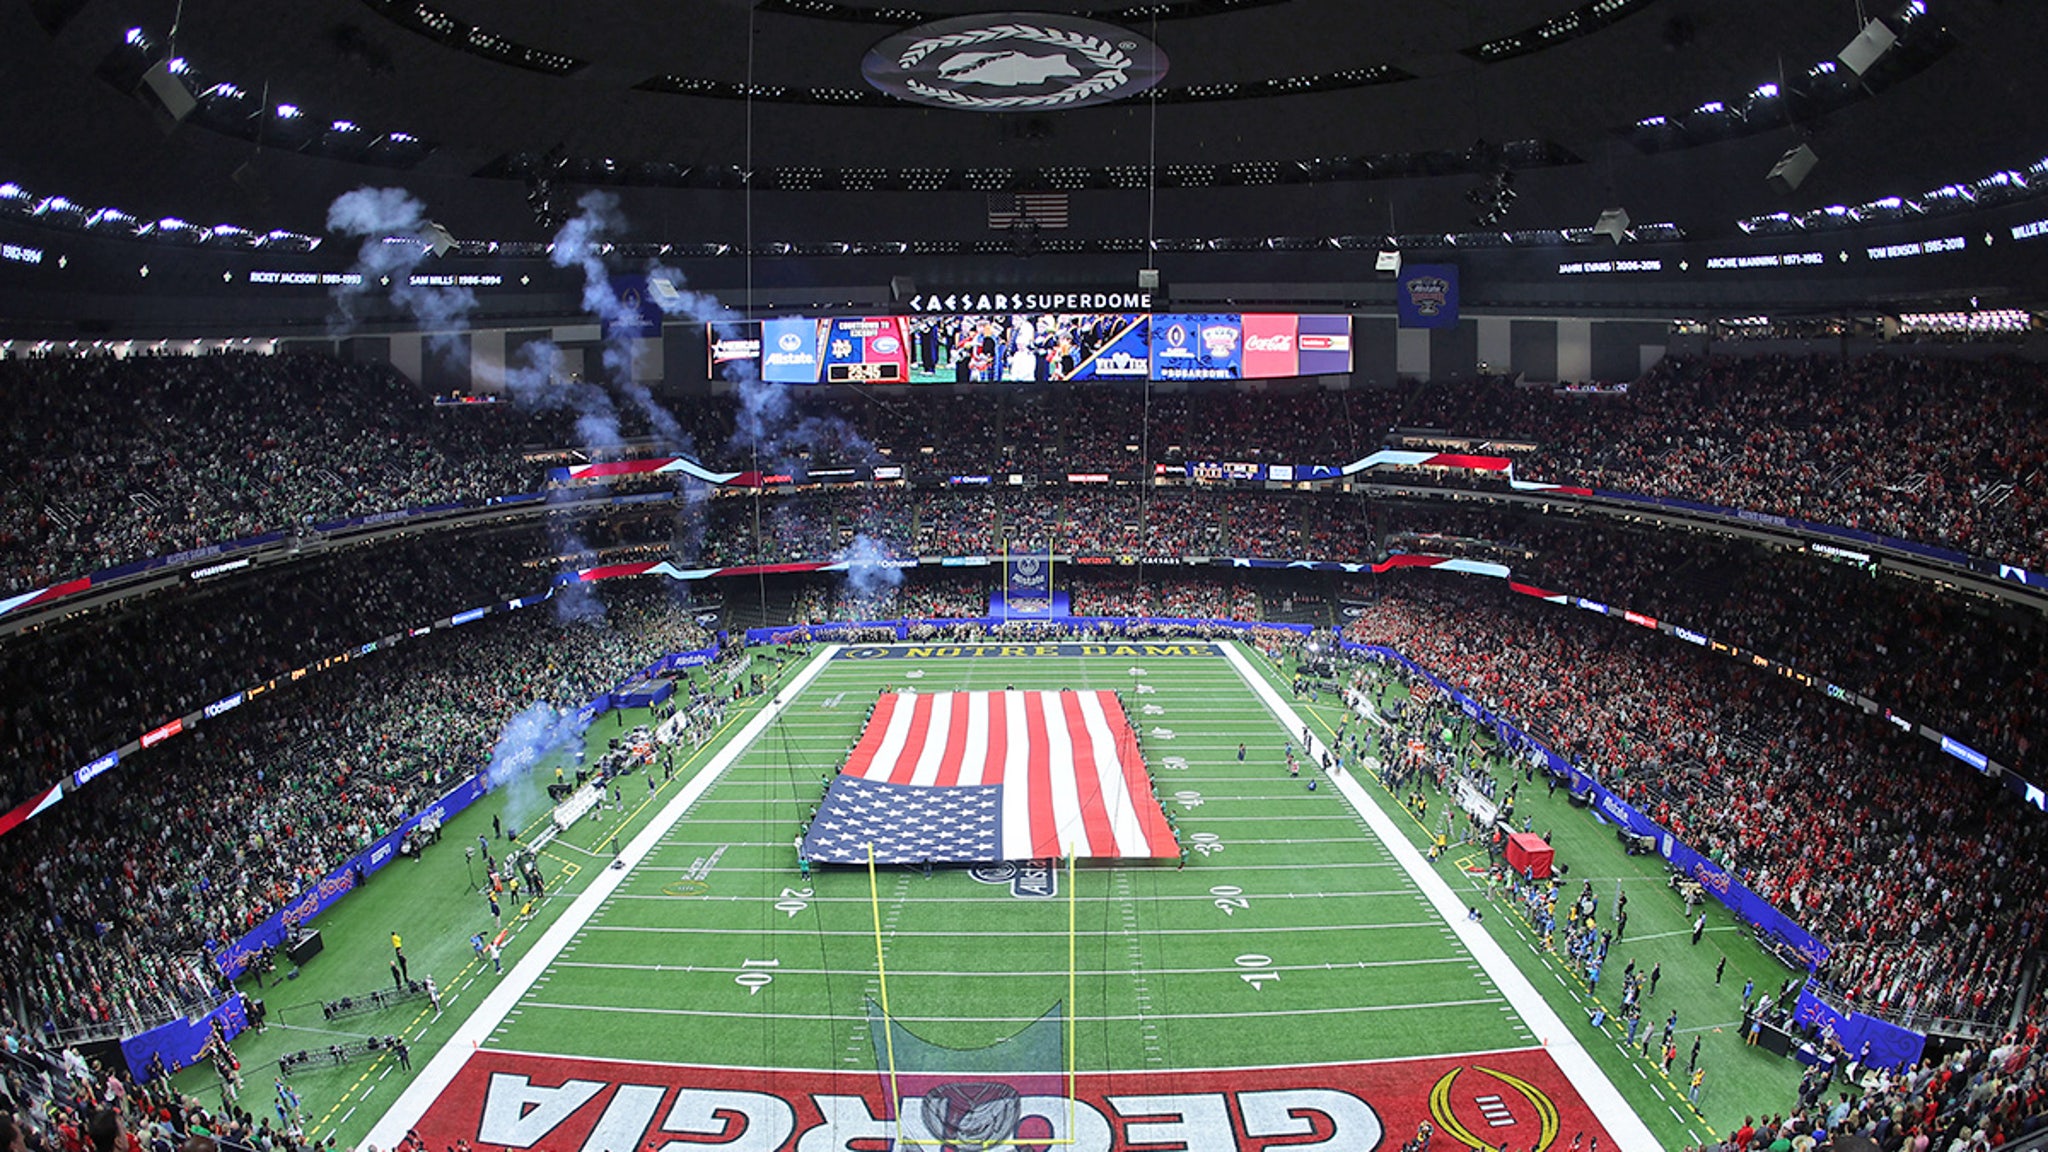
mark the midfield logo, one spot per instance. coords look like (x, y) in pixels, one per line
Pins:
(1029, 880)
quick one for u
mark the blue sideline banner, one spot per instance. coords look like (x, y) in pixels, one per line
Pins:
(1891, 1046)
(178, 1043)
(233, 959)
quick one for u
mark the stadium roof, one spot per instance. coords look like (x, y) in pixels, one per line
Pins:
(725, 121)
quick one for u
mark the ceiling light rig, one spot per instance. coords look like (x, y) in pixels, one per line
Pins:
(1493, 198)
(543, 189)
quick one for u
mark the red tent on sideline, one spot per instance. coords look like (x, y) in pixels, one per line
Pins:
(1529, 856)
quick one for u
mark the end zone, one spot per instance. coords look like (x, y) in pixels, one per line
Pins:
(1517, 1098)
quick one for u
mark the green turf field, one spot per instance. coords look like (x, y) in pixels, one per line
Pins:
(1291, 937)
(1157, 966)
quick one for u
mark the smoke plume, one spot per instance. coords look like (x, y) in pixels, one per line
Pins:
(396, 238)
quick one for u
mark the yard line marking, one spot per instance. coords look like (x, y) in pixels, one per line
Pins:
(723, 970)
(869, 934)
(1116, 1018)
(1006, 900)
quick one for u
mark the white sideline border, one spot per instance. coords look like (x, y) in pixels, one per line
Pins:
(405, 1112)
(1609, 1107)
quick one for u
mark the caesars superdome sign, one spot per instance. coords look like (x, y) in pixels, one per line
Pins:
(1014, 62)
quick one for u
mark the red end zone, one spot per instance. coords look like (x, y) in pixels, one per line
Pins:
(1519, 1100)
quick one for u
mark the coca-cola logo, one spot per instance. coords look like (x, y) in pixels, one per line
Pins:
(1278, 342)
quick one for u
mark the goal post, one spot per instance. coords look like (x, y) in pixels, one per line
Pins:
(1017, 1092)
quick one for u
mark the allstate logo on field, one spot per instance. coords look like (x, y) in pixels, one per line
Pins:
(1029, 880)
(1014, 62)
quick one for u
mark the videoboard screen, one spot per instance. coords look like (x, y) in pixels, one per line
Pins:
(1047, 347)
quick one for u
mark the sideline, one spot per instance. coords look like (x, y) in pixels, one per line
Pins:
(1613, 1111)
(427, 1087)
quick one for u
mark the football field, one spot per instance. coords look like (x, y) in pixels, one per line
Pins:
(1303, 978)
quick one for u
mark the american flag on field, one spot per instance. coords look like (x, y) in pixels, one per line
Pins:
(977, 777)
(1043, 210)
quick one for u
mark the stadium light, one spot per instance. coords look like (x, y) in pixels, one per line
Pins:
(1873, 42)
(437, 238)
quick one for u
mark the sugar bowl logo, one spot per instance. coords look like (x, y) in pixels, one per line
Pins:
(1220, 340)
(1428, 295)
(1014, 62)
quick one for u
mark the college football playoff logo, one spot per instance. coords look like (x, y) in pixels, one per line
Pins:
(1489, 1101)
(1014, 62)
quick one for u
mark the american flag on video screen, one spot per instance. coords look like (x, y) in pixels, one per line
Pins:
(970, 777)
(1043, 209)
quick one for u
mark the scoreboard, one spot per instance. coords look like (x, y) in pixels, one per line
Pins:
(1024, 348)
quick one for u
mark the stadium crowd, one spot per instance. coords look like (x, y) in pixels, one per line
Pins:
(1108, 522)
(1965, 665)
(53, 1099)
(120, 460)
(77, 688)
(119, 887)
(117, 460)
(1982, 1097)
(1854, 829)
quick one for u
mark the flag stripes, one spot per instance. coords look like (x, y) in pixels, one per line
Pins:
(1043, 209)
(1063, 768)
